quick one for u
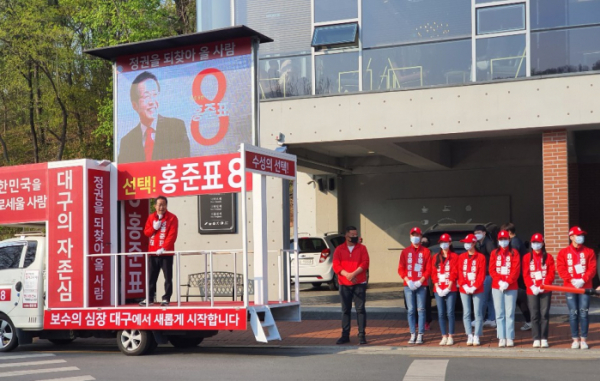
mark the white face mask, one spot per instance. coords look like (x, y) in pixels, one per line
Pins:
(468, 246)
(479, 236)
(415, 240)
(503, 243)
(580, 239)
(537, 246)
(444, 245)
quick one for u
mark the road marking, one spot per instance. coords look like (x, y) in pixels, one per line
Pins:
(27, 356)
(427, 370)
(37, 371)
(32, 363)
(79, 378)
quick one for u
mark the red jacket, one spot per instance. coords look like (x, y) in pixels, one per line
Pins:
(411, 258)
(343, 259)
(567, 270)
(533, 265)
(474, 264)
(500, 258)
(448, 268)
(164, 237)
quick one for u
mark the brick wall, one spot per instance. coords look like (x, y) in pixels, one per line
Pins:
(556, 197)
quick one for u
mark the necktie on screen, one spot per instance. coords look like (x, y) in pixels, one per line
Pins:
(149, 143)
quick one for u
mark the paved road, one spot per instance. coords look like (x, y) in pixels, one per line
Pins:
(82, 362)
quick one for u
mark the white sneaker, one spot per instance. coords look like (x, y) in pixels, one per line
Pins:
(545, 344)
(473, 323)
(526, 327)
(502, 343)
(412, 338)
(583, 345)
(489, 323)
(536, 343)
(470, 340)
(510, 343)
(420, 338)
(476, 341)
(444, 341)
(575, 344)
(450, 341)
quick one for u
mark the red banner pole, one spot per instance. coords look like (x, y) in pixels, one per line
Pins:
(589, 291)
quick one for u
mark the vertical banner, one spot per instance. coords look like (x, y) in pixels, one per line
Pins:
(135, 214)
(65, 237)
(99, 269)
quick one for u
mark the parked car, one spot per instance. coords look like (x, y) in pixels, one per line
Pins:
(316, 258)
(457, 232)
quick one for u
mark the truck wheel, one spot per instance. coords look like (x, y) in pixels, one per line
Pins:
(185, 342)
(134, 342)
(8, 334)
(61, 341)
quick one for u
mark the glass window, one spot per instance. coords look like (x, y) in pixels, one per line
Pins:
(337, 241)
(558, 13)
(485, 1)
(30, 254)
(336, 73)
(500, 19)
(285, 77)
(333, 10)
(500, 57)
(287, 22)
(310, 245)
(411, 66)
(390, 22)
(335, 35)
(10, 255)
(565, 51)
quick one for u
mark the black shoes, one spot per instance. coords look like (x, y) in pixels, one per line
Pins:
(164, 303)
(362, 340)
(343, 340)
(143, 303)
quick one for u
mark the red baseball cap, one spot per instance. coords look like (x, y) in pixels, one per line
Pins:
(576, 230)
(469, 239)
(537, 237)
(416, 230)
(445, 238)
(503, 234)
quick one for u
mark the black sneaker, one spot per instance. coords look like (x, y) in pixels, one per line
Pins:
(143, 303)
(343, 340)
(164, 303)
(362, 340)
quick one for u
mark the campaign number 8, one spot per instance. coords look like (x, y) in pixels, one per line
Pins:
(202, 101)
(2, 295)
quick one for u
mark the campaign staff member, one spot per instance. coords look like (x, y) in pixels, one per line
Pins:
(576, 265)
(350, 263)
(505, 267)
(471, 276)
(444, 274)
(161, 227)
(413, 268)
(538, 271)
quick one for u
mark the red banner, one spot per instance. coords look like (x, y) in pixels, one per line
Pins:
(99, 269)
(65, 237)
(23, 193)
(134, 241)
(270, 165)
(181, 177)
(5, 293)
(148, 319)
(184, 55)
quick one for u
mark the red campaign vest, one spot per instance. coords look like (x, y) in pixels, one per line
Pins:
(573, 259)
(470, 268)
(535, 265)
(412, 263)
(443, 269)
(502, 261)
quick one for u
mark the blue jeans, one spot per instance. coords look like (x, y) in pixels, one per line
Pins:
(445, 306)
(415, 301)
(506, 305)
(489, 312)
(578, 314)
(478, 306)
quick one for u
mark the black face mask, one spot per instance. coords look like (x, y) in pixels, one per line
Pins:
(354, 239)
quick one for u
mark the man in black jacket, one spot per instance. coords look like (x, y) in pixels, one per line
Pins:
(485, 246)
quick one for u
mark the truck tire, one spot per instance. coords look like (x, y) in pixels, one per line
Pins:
(61, 341)
(135, 342)
(185, 342)
(8, 334)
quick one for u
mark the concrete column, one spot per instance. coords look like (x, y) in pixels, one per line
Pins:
(556, 198)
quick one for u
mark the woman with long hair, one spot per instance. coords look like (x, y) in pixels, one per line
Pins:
(444, 274)
(471, 275)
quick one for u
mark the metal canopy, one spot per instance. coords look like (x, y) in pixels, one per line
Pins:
(241, 31)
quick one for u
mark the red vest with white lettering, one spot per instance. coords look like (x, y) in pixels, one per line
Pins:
(445, 272)
(579, 263)
(536, 273)
(163, 238)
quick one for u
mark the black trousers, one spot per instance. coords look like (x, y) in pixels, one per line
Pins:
(522, 302)
(539, 305)
(358, 294)
(155, 264)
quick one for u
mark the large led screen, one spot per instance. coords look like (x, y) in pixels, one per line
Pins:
(184, 102)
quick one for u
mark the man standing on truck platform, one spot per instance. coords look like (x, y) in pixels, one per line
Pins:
(161, 228)
(350, 263)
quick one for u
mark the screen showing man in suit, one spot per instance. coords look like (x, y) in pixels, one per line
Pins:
(184, 102)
